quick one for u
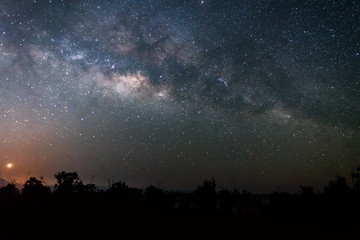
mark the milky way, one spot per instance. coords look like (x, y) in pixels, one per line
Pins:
(260, 95)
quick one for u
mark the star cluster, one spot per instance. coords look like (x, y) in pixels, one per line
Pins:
(256, 94)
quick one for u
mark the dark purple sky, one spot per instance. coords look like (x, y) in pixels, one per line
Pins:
(257, 94)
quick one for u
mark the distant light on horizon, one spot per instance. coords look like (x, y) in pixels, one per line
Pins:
(9, 165)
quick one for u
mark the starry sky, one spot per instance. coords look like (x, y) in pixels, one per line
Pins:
(260, 95)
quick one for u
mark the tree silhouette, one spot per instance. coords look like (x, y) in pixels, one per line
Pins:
(124, 193)
(68, 182)
(206, 196)
(9, 192)
(307, 192)
(89, 188)
(338, 199)
(356, 179)
(337, 187)
(226, 201)
(153, 196)
(308, 200)
(119, 188)
(35, 187)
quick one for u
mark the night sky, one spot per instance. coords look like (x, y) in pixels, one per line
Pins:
(260, 95)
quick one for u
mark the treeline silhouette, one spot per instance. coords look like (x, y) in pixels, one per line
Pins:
(77, 210)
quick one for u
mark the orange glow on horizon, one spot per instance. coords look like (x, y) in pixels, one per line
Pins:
(9, 165)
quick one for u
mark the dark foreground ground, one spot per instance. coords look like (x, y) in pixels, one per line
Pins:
(91, 217)
(82, 212)
(99, 219)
